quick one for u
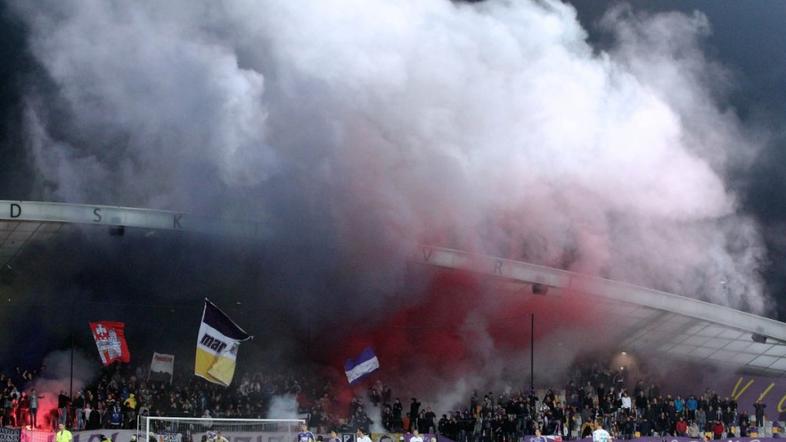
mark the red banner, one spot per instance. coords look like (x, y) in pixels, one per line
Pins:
(110, 339)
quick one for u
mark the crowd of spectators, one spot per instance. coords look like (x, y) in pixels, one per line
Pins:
(120, 394)
(593, 395)
(18, 404)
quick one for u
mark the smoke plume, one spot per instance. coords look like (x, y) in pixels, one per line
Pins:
(353, 127)
(283, 407)
(56, 378)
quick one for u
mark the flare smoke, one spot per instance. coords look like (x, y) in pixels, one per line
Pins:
(355, 126)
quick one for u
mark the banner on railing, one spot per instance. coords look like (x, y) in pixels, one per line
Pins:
(80, 436)
(670, 439)
(10, 434)
(399, 437)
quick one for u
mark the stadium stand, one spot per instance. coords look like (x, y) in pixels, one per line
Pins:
(592, 394)
(667, 325)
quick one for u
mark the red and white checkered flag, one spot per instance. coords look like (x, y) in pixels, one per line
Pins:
(110, 339)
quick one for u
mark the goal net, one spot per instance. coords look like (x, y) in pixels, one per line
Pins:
(182, 429)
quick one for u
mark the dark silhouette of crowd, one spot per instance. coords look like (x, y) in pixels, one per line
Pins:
(19, 405)
(120, 394)
(573, 414)
(593, 394)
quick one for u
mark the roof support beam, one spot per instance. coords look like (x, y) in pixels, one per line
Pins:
(615, 290)
(125, 216)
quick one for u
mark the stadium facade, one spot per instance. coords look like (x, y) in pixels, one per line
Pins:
(645, 319)
(750, 349)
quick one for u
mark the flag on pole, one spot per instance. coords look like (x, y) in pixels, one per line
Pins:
(110, 339)
(162, 367)
(217, 345)
(364, 364)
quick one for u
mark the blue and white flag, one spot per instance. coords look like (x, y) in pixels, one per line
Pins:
(361, 366)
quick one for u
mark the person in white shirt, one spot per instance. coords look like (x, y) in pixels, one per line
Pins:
(416, 437)
(600, 435)
(363, 437)
(626, 402)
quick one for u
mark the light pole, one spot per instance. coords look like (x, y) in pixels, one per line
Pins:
(532, 354)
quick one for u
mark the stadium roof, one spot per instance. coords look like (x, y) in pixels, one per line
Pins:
(645, 319)
(25, 221)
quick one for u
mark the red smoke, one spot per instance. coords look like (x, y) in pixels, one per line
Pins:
(438, 336)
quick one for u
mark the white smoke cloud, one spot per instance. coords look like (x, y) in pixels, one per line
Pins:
(283, 407)
(375, 414)
(492, 126)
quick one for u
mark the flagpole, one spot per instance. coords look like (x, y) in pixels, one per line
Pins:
(71, 383)
(532, 353)
(71, 377)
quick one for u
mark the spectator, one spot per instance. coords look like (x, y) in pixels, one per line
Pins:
(681, 427)
(87, 410)
(628, 428)
(23, 409)
(62, 404)
(645, 427)
(600, 435)
(34, 397)
(625, 403)
(691, 405)
(63, 435)
(679, 405)
(693, 430)
(743, 422)
(129, 409)
(414, 413)
(759, 412)
(8, 419)
(717, 430)
(115, 416)
(79, 405)
(428, 420)
(396, 411)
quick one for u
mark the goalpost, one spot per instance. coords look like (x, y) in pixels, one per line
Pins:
(192, 429)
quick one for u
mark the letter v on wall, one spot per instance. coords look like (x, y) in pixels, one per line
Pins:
(735, 394)
(766, 390)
